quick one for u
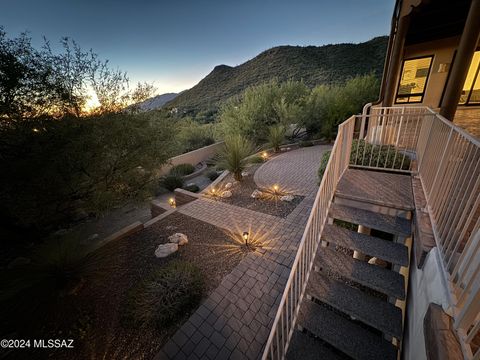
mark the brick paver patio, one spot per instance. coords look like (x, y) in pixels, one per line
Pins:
(235, 320)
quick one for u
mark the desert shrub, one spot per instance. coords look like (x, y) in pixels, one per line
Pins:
(276, 135)
(323, 164)
(234, 155)
(256, 159)
(182, 169)
(192, 188)
(212, 174)
(171, 182)
(165, 297)
(305, 143)
(385, 156)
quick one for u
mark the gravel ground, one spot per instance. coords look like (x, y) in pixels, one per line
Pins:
(242, 191)
(120, 265)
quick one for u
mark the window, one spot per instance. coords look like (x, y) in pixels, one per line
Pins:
(471, 88)
(413, 80)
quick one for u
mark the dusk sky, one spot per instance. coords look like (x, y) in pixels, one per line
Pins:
(175, 44)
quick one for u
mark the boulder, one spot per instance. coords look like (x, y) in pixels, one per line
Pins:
(178, 238)
(226, 194)
(228, 185)
(163, 250)
(256, 194)
(287, 198)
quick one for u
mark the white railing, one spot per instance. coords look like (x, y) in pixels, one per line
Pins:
(447, 160)
(284, 323)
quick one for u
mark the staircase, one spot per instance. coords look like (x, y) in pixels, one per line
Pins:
(349, 310)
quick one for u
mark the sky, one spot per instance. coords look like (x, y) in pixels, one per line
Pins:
(175, 44)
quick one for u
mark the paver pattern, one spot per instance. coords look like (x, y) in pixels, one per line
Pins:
(235, 320)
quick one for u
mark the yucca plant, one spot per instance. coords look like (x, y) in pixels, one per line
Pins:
(276, 135)
(234, 154)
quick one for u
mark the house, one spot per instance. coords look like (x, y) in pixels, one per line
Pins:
(402, 279)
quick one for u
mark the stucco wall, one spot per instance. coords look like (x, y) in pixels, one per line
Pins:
(193, 157)
(426, 286)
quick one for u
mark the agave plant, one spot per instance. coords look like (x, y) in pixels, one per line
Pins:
(276, 135)
(234, 154)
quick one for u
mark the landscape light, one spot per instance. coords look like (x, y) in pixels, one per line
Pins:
(171, 201)
(245, 237)
(275, 187)
(264, 154)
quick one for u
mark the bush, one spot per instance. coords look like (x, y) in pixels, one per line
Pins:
(166, 296)
(171, 182)
(234, 155)
(212, 174)
(305, 143)
(385, 156)
(192, 188)
(323, 164)
(276, 135)
(182, 169)
(257, 159)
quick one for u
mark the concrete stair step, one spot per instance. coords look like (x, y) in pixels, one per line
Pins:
(386, 250)
(390, 224)
(348, 337)
(375, 277)
(304, 347)
(371, 310)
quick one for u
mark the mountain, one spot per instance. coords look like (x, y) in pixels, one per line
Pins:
(157, 101)
(314, 65)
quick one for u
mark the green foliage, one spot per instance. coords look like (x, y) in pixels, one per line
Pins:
(305, 143)
(234, 155)
(182, 169)
(172, 182)
(167, 296)
(323, 164)
(329, 105)
(191, 135)
(256, 159)
(212, 174)
(50, 169)
(192, 188)
(276, 135)
(260, 107)
(382, 156)
(330, 64)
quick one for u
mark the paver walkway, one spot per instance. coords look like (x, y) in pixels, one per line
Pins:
(235, 320)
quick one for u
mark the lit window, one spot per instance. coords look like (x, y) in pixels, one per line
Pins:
(413, 81)
(471, 88)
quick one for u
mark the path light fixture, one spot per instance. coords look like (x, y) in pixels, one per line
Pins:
(245, 237)
(172, 202)
(264, 155)
(275, 188)
(213, 191)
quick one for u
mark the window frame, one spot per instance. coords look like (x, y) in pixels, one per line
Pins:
(422, 94)
(477, 74)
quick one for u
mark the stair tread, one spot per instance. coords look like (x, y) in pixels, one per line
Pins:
(304, 347)
(371, 310)
(390, 224)
(383, 249)
(343, 334)
(375, 277)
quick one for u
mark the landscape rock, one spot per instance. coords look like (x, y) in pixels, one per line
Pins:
(228, 185)
(178, 238)
(286, 198)
(163, 250)
(226, 194)
(18, 262)
(256, 194)
(92, 237)
(245, 173)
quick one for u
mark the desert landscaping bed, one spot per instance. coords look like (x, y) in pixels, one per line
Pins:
(242, 195)
(100, 304)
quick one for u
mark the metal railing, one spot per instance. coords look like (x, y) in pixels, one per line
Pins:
(283, 325)
(447, 159)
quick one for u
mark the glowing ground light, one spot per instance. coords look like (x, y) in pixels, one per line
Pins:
(171, 201)
(264, 155)
(275, 187)
(245, 237)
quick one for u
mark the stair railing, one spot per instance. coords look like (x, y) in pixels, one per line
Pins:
(283, 325)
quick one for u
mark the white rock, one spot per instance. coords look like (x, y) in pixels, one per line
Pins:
(256, 194)
(92, 237)
(287, 198)
(245, 173)
(226, 194)
(228, 185)
(163, 250)
(178, 238)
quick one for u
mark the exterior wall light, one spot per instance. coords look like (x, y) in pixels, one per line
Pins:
(245, 237)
